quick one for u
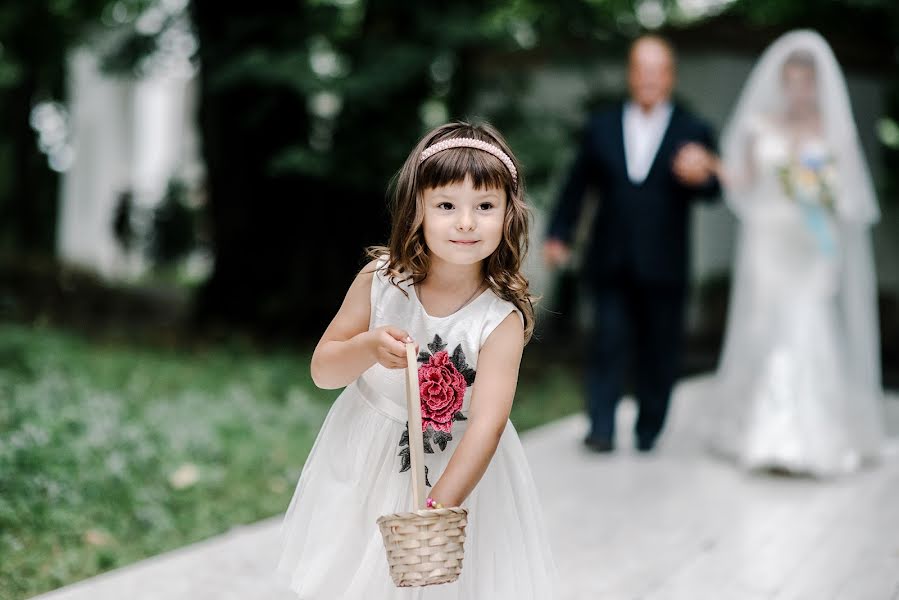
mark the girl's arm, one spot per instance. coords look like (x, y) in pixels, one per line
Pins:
(491, 402)
(348, 348)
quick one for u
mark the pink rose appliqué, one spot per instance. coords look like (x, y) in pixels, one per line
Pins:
(442, 381)
(442, 389)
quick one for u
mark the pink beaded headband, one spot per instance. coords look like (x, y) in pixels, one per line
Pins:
(464, 142)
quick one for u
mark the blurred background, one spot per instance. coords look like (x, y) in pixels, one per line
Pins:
(186, 190)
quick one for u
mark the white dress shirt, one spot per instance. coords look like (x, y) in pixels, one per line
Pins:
(643, 133)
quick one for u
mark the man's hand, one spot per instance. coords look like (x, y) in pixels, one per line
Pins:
(555, 253)
(694, 164)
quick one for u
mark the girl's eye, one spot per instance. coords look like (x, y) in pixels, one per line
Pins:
(445, 206)
(485, 205)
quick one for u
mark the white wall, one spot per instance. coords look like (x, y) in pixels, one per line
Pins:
(101, 112)
(128, 135)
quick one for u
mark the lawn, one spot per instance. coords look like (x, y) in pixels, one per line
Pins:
(110, 452)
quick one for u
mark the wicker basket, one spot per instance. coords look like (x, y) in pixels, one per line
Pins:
(424, 547)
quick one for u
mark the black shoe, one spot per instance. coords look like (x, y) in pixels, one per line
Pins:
(599, 445)
(645, 445)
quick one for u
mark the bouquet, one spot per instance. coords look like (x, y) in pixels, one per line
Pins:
(809, 179)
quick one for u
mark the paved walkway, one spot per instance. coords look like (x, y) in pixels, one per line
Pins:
(674, 525)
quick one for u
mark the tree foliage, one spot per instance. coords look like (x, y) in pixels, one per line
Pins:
(309, 107)
(330, 97)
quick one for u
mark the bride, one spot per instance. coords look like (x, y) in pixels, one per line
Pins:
(798, 385)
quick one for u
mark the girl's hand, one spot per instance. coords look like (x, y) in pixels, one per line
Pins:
(389, 346)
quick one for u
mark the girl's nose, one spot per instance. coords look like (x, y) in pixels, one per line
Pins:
(466, 221)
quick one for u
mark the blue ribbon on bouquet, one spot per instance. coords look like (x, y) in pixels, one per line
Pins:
(816, 219)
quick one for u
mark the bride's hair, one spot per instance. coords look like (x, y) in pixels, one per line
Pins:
(492, 168)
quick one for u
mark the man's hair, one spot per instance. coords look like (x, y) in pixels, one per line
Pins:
(656, 39)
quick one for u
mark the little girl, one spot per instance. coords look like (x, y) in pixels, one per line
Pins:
(450, 281)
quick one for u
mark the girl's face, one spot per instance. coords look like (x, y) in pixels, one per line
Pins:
(462, 225)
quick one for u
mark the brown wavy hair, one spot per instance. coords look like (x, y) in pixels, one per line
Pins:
(407, 253)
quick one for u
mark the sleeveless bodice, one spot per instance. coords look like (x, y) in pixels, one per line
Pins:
(448, 346)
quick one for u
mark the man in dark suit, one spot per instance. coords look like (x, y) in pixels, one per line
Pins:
(647, 159)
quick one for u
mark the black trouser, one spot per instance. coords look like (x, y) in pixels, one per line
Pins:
(643, 321)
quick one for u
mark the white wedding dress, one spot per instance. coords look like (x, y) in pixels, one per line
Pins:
(797, 388)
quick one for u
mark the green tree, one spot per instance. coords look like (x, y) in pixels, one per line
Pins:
(307, 111)
(308, 107)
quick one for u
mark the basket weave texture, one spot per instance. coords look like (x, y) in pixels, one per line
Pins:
(424, 547)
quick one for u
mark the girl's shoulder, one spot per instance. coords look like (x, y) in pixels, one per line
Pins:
(500, 306)
(390, 292)
(495, 310)
(378, 263)
(374, 271)
(382, 277)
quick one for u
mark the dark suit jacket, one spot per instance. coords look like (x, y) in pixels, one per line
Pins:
(640, 230)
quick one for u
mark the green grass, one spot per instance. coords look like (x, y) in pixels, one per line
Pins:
(110, 453)
(93, 436)
(546, 391)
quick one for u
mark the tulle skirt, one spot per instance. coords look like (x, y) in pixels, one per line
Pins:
(332, 548)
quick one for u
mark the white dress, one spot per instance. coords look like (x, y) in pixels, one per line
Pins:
(785, 396)
(332, 548)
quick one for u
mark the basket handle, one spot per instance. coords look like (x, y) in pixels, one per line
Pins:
(416, 444)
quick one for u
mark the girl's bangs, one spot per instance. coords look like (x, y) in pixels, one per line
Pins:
(454, 165)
